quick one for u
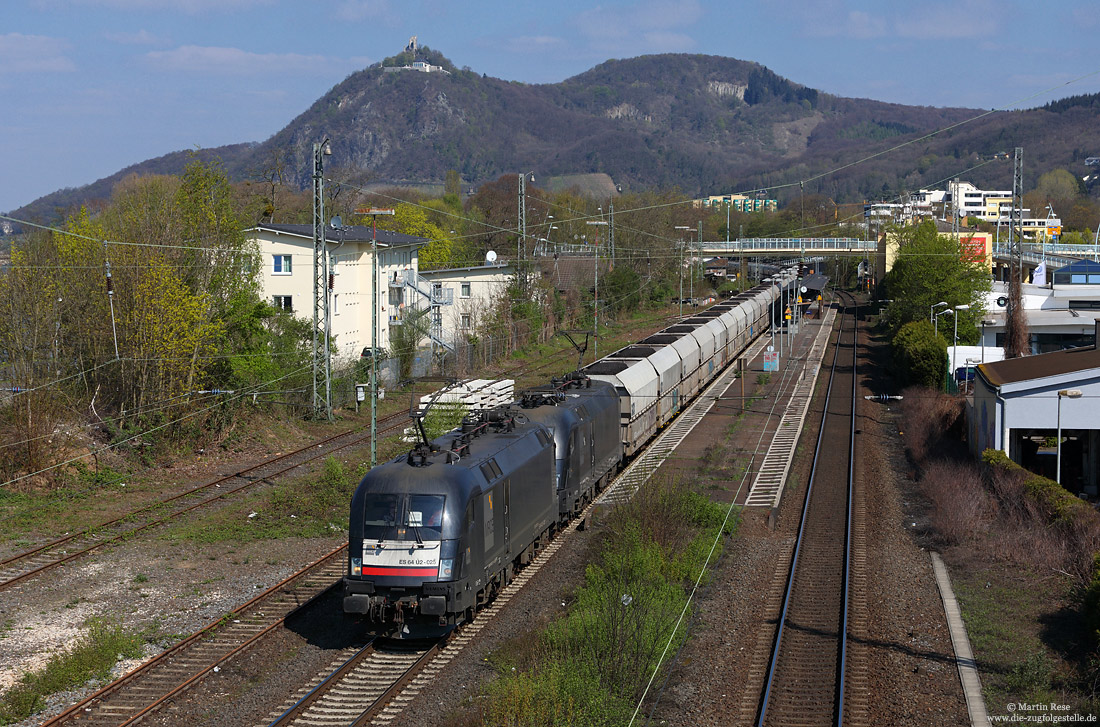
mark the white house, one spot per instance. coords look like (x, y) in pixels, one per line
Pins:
(286, 252)
(472, 289)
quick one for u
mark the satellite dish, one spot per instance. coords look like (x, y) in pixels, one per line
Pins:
(490, 257)
(336, 223)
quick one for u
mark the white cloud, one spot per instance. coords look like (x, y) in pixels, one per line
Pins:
(33, 54)
(356, 11)
(922, 21)
(614, 29)
(142, 37)
(234, 61)
(528, 43)
(193, 7)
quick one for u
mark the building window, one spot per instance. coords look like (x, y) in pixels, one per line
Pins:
(282, 265)
(465, 320)
(465, 292)
(283, 302)
(335, 304)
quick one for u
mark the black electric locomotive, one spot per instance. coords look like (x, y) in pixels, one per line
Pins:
(436, 533)
(584, 417)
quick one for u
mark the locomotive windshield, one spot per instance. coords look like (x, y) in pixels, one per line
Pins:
(403, 517)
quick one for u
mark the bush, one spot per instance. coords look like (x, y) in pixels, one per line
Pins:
(1092, 598)
(928, 415)
(960, 505)
(920, 355)
(1062, 531)
(1057, 504)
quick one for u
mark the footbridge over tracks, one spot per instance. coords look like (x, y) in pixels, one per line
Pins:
(787, 246)
(1054, 255)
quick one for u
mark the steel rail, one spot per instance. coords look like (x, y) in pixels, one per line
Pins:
(396, 420)
(792, 574)
(136, 674)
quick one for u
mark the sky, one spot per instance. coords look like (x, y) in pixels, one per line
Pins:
(88, 87)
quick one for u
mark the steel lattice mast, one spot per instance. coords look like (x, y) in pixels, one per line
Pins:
(322, 386)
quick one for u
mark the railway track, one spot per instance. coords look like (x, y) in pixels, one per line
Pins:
(23, 566)
(360, 688)
(378, 679)
(150, 686)
(804, 683)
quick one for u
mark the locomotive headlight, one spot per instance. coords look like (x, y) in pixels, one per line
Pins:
(356, 566)
(445, 568)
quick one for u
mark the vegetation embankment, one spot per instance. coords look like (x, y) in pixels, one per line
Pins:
(92, 657)
(1023, 554)
(592, 665)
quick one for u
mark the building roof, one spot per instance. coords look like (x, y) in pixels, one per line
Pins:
(503, 267)
(1042, 366)
(816, 281)
(1078, 267)
(351, 233)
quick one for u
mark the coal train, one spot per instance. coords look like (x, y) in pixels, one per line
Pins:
(436, 533)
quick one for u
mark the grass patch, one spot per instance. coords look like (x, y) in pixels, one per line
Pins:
(91, 658)
(590, 666)
(314, 506)
(1015, 663)
(61, 508)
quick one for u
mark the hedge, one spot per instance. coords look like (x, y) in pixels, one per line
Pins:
(1056, 502)
(1062, 509)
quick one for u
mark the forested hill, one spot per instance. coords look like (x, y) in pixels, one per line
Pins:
(702, 124)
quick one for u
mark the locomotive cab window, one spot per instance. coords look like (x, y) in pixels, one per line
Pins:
(425, 512)
(403, 517)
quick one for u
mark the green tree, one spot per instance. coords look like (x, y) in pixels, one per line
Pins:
(623, 289)
(413, 220)
(929, 268)
(1058, 185)
(920, 356)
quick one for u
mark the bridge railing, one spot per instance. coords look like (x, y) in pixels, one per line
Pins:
(1053, 254)
(788, 244)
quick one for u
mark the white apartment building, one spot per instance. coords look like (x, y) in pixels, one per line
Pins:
(286, 252)
(995, 206)
(970, 201)
(472, 290)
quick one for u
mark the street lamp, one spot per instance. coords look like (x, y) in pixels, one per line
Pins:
(1069, 394)
(375, 303)
(941, 313)
(934, 307)
(955, 345)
